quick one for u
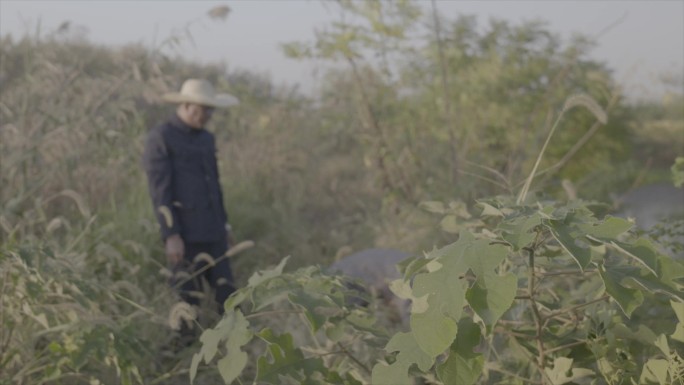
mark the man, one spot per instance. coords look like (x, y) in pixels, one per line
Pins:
(180, 162)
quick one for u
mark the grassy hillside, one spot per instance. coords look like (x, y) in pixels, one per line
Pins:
(83, 292)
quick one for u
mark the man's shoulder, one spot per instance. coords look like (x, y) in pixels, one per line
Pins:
(161, 128)
(160, 131)
(208, 134)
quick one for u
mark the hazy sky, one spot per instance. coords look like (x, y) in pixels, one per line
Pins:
(646, 38)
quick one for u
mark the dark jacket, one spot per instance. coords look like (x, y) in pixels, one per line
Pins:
(183, 181)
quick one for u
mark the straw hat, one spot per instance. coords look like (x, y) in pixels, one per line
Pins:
(200, 91)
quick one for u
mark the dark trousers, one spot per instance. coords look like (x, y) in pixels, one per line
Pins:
(204, 263)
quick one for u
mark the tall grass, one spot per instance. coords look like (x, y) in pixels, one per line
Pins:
(84, 298)
(83, 294)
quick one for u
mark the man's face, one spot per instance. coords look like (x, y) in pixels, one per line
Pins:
(196, 115)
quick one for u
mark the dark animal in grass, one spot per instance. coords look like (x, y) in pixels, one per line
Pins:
(375, 269)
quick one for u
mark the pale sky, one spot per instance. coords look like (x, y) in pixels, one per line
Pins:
(646, 38)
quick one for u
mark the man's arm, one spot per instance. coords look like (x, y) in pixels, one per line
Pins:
(159, 169)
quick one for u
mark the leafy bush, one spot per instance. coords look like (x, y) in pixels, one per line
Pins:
(301, 325)
(62, 322)
(576, 277)
(539, 292)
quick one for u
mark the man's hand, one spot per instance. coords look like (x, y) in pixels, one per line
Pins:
(175, 249)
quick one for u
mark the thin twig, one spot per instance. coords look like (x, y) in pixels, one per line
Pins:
(563, 321)
(581, 142)
(567, 346)
(540, 369)
(573, 308)
(168, 375)
(351, 356)
(273, 312)
(568, 272)
(528, 181)
(447, 96)
(511, 322)
(485, 179)
(514, 334)
(538, 320)
(492, 170)
(525, 380)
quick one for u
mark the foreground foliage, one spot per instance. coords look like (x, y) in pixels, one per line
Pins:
(534, 293)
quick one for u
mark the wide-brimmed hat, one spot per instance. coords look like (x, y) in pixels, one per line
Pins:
(200, 91)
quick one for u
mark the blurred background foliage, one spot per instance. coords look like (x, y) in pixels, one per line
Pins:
(415, 107)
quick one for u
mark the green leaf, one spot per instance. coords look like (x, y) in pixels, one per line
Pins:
(489, 210)
(409, 353)
(210, 339)
(264, 275)
(457, 370)
(559, 214)
(463, 366)
(482, 257)
(231, 366)
(450, 224)
(439, 295)
(518, 232)
(563, 372)
(643, 334)
(238, 334)
(611, 228)
(433, 207)
(491, 296)
(627, 299)
(310, 304)
(434, 325)
(237, 298)
(416, 264)
(433, 330)
(643, 279)
(194, 365)
(468, 338)
(405, 263)
(361, 320)
(671, 271)
(401, 289)
(286, 360)
(661, 343)
(234, 330)
(562, 234)
(273, 290)
(643, 251)
(335, 331)
(334, 378)
(655, 372)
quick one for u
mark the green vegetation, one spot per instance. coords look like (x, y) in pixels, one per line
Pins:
(538, 293)
(418, 109)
